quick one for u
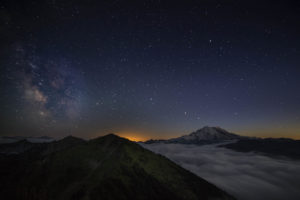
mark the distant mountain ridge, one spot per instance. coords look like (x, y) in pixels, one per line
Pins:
(13, 139)
(279, 147)
(22, 146)
(205, 135)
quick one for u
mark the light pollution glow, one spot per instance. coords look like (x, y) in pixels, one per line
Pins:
(133, 136)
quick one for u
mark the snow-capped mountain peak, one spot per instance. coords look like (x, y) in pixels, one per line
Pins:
(205, 135)
(211, 133)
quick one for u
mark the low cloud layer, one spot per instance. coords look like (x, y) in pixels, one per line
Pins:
(247, 176)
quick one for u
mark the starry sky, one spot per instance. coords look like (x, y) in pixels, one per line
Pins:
(149, 69)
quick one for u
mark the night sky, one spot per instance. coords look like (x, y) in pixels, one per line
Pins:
(149, 69)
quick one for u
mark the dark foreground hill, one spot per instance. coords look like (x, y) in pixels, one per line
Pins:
(108, 167)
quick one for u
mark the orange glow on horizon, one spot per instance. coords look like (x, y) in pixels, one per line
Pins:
(136, 137)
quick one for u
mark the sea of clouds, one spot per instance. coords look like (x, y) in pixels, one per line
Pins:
(247, 176)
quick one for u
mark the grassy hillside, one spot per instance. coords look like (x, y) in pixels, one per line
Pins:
(108, 167)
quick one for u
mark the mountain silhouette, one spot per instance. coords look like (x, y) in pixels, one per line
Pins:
(274, 147)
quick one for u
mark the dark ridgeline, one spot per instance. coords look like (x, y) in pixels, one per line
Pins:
(278, 147)
(108, 167)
